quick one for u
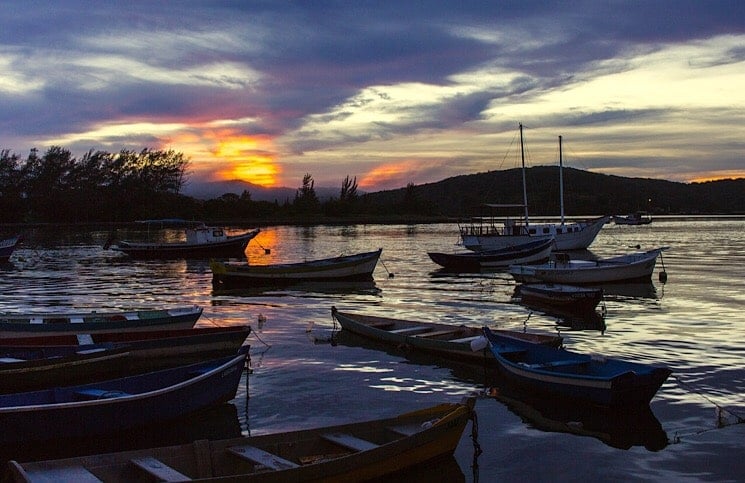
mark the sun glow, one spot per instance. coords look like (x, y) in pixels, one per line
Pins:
(249, 158)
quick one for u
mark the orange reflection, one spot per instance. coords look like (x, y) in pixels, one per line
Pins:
(256, 251)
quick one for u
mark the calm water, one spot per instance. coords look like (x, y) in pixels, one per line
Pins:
(694, 323)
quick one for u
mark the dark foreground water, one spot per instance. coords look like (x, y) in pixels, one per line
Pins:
(695, 323)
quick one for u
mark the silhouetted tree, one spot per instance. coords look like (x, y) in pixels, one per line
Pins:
(306, 200)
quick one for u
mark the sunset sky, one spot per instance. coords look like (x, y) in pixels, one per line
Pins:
(389, 92)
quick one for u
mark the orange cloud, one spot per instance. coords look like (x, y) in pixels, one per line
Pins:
(391, 175)
(225, 154)
(702, 178)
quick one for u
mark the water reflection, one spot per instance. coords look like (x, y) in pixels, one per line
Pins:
(299, 289)
(640, 290)
(621, 428)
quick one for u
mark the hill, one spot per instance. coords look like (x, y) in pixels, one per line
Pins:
(585, 194)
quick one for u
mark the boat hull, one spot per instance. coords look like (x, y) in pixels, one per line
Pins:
(127, 353)
(625, 268)
(607, 382)
(114, 405)
(391, 445)
(234, 246)
(566, 297)
(533, 251)
(442, 340)
(22, 325)
(570, 236)
(7, 247)
(357, 267)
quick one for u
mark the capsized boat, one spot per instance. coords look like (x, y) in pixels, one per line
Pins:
(360, 451)
(599, 380)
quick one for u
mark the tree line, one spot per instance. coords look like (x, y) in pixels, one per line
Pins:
(56, 187)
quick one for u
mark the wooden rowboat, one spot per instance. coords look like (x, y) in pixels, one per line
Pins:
(113, 405)
(357, 267)
(449, 341)
(54, 361)
(567, 297)
(59, 323)
(349, 452)
(530, 252)
(24, 369)
(599, 380)
(632, 266)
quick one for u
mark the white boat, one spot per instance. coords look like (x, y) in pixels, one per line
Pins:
(202, 241)
(636, 218)
(632, 266)
(567, 235)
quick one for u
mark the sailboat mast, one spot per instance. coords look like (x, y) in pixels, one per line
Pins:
(525, 189)
(561, 183)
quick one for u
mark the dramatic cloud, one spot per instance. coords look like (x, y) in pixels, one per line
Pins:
(389, 92)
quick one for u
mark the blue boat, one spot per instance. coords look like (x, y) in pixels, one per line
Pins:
(559, 372)
(114, 405)
(7, 247)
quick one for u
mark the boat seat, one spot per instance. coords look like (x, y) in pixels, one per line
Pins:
(438, 333)
(264, 458)
(406, 429)
(158, 469)
(349, 441)
(75, 473)
(93, 393)
(410, 330)
(549, 365)
(467, 339)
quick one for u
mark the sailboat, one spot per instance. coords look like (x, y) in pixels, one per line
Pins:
(567, 235)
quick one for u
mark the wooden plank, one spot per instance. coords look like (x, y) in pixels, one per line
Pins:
(467, 339)
(158, 469)
(349, 441)
(406, 429)
(76, 473)
(410, 330)
(258, 455)
(438, 333)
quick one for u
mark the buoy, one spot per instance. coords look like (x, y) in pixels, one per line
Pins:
(663, 277)
(479, 344)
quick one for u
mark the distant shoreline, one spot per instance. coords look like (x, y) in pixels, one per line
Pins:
(382, 220)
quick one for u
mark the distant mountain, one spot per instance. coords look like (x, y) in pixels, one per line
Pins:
(207, 190)
(585, 194)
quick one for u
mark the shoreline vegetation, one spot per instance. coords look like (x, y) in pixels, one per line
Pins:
(117, 189)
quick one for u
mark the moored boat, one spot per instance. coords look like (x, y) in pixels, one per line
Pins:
(349, 452)
(449, 341)
(60, 323)
(599, 380)
(566, 297)
(105, 407)
(54, 360)
(532, 251)
(636, 218)
(489, 235)
(356, 267)
(202, 241)
(563, 270)
(7, 247)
